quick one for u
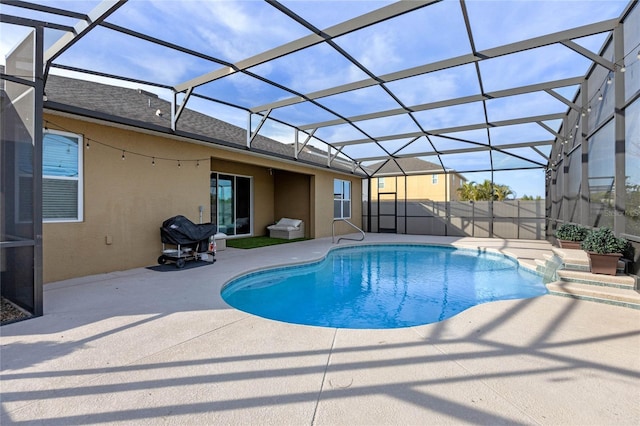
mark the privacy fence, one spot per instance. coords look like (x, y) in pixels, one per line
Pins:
(501, 219)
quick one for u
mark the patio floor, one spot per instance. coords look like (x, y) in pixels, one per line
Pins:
(148, 347)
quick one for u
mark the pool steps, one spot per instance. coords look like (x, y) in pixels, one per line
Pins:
(566, 273)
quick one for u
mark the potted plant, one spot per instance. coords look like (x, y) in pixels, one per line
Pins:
(604, 249)
(570, 235)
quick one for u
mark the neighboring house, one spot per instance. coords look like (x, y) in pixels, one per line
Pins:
(422, 180)
(114, 171)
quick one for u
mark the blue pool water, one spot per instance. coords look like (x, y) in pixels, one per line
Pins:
(382, 286)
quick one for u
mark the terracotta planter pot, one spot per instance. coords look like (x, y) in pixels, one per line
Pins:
(574, 245)
(605, 264)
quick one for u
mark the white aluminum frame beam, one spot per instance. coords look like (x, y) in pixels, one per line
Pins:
(590, 55)
(550, 130)
(457, 101)
(252, 135)
(176, 111)
(82, 28)
(499, 148)
(362, 21)
(299, 149)
(495, 52)
(564, 100)
(436, 132)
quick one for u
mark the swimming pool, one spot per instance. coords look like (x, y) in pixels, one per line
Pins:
(382, 286)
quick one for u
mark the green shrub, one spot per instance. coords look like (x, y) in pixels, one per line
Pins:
(604, 241)
(629, 251)
(571, 232)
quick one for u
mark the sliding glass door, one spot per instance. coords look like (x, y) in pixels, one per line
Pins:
(231, 203)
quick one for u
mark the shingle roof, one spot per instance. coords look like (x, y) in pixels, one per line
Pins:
(138, 108)
(406, 165)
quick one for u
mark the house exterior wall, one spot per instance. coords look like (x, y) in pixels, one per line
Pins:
(324, 211)
(126, 201)
(263, 190)
(420, 187)
(292, 197)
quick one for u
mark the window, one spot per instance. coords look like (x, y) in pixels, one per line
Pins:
(380, 183)
(341, 199)
(62, 183)
(231, 203)
(434, 179)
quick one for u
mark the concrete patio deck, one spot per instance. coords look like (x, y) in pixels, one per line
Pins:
(148, 347)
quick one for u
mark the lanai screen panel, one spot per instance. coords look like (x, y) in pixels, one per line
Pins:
(471, 85)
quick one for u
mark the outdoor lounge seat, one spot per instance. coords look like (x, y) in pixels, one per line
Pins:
(287, 229)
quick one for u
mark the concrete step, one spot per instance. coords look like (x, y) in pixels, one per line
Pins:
(572, 257)
(577, 260)
(611, 296)
(625, 282)
(574, 260)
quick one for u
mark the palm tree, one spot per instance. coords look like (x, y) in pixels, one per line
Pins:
(467, 191)
(501, 192)
(485, 190)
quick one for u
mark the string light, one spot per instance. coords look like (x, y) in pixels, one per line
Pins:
(608, 80)
(123, 151)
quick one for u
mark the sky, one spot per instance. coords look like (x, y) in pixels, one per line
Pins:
(235, 31)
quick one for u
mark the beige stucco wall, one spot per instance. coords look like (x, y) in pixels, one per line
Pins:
(292, 197)
(263, 189)
(126, 201)
(324, 210)
(420, 187)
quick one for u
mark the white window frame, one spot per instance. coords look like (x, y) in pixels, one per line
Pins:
(381, 183)
(79, 179)
(342, 199)
(434, 179)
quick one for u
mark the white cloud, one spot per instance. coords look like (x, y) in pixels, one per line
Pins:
(437, 86)
(457, 115)
(530, 104)
(379, 48)
(520, 20)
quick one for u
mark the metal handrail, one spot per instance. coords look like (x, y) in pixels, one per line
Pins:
(333, 231)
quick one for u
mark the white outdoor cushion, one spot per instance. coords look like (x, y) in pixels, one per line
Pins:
(295, 223)
(282, 228)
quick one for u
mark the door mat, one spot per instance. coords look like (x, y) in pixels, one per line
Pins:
(171, 266)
